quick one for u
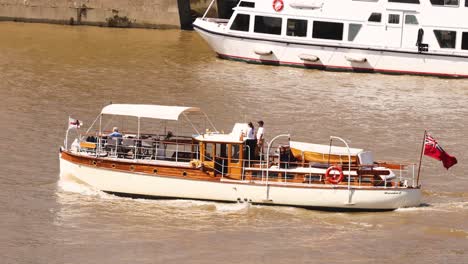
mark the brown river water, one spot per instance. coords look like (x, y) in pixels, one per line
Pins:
(48, 72)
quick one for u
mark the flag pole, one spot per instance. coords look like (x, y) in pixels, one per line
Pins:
(420, 158)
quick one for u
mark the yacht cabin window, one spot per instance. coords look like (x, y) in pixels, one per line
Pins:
(464, 44)
(446, 38)
(241, 22)
(296, 28)
(268, 25)
(247, 4)
(235, 150)
(393, 19)
(353, 31)
(411, 20)
(209, 151)
(327, 30)
(376, 17)
(466, 3)
(445, 2)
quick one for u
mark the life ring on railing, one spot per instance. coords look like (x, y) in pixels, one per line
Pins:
(278, 5)
(335, 179)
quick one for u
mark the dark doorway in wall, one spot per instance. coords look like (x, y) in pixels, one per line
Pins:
(225, 7)
(185, 15)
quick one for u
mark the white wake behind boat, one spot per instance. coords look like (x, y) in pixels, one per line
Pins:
(218, 166)
(421, 37)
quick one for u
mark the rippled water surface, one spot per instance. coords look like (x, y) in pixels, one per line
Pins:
(48, 72)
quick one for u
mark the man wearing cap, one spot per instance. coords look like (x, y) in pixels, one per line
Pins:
(260, 138)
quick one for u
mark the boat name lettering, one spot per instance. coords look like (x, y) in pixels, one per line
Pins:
(395, 192)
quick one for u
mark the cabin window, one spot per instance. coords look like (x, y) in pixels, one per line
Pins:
(221, 150)
(466, 3)
(404, 1)
(241, 22)
(394, 19)
(446, 38)
(445, 2)
(235, 150)
(464, 44)
(247, 4)
(411, 20)
(209, 151)
(375, 17)
(267, 25)
(327, 30)
(296, 28)
(353, 31)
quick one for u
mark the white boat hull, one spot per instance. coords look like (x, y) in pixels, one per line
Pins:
(138, 184)
(329, 56)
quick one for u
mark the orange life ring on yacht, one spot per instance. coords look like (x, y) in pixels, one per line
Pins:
(334, 178)
(278, 5)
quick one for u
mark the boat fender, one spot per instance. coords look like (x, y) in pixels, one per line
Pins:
(355, 59)
(263, 52)
(278, 5)
(308, 57)
(335, 179)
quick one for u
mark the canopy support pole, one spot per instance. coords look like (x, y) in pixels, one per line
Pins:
(100, 134)
(91, 126)
(209, 121)
(190, 122)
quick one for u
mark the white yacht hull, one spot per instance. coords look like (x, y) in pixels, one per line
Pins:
(329, 56)
(139, 184)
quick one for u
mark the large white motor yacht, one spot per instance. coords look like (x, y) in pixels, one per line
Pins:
(421, 37)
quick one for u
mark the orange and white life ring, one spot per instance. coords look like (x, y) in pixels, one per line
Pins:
(278, 5)
(334, 178)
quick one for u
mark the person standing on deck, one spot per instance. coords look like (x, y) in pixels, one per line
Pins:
(251, 141)
(260, 138)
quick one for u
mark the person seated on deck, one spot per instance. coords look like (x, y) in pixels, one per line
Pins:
(115, 133)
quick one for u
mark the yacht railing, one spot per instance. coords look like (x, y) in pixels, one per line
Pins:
(269, 168)
(178, 149)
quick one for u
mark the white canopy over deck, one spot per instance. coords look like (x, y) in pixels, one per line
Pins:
(162, 112)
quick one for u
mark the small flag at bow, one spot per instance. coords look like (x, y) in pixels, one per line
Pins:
(74, 123)
(434, 150)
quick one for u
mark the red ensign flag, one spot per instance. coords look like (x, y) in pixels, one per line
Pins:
(434, 150)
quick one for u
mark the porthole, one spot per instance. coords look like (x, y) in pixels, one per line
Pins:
(132, 167)
(113, 165)
(155, 170)
(94, 162)
(184, 173)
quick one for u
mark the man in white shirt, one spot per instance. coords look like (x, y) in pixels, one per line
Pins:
(260, 138)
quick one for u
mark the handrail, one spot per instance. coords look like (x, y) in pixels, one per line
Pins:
(150, 149)
(268, 160)
(349, 157)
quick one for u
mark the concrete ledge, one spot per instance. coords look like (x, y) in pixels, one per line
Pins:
(160, 14)
(83, 23)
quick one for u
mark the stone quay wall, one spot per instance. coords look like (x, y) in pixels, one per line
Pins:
(114, 13)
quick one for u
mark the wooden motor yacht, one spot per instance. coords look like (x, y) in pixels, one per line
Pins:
(206, 164)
